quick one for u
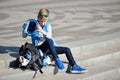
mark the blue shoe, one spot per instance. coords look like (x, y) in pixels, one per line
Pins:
(78, 69)
(59, 64)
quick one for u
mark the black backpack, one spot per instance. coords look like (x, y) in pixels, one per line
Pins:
(29, 53)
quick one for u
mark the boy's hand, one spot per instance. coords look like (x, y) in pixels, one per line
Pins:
(41, 30)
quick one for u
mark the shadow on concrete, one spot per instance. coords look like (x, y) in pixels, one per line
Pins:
(12, 51)
(7, 49)
(14, 64)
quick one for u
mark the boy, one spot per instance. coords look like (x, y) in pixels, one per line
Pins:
(46, 42)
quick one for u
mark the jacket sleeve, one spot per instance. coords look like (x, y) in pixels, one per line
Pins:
(49, 34)
(49, 31)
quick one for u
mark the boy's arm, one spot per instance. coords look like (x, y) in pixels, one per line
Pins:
(41, 30)
(48, 33)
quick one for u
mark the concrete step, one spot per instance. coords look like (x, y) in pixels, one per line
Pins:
(100, 71)
(112, 51)
(85, 58)
(114, 77)
(93, 42)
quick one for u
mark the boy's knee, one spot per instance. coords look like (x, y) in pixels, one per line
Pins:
(49, 40)
(67, 49)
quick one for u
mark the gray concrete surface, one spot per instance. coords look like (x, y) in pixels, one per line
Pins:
(71, 20)
(83, 25)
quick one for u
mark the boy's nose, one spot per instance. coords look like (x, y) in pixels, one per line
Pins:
(42, 23)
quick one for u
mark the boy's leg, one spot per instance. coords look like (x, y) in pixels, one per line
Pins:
(67, 51)
(48, 44)
(75, 68)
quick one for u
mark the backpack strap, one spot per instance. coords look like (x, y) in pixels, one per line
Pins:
(32, 48)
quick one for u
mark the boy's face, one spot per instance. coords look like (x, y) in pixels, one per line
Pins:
(43, 19)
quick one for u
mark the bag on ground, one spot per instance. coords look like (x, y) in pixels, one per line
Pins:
(28, 58)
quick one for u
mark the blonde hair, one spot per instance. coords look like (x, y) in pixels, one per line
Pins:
(41, 11)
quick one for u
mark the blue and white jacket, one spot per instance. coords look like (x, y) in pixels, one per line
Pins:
(36, 37)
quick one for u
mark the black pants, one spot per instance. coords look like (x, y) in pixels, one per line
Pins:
(55, 50)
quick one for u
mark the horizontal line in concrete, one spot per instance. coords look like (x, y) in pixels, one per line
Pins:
(100, 70)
